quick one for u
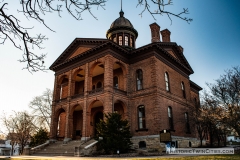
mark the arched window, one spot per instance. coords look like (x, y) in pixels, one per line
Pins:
(187, 122)
(126, 40)
(115, 82)
(99, 85)
(115, 39)
(141, 117)
(64, 88)
(93, 87)
(120, 40)
(139, 76)
(170, 118)
(183, 90)
(167, 82)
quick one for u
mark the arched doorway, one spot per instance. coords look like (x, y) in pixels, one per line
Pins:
(63, 88)
(98, 116)
(77, 126)
(61, 125)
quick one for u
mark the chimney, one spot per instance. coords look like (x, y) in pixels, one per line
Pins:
(155, 30)
(166, 35)
(181, 49)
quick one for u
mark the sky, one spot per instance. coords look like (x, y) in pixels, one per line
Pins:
(211, 42)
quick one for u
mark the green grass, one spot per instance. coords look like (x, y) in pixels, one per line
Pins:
(205, 157)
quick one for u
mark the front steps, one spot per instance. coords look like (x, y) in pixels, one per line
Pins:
(59, 149)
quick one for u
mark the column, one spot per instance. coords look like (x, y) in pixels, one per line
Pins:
(52, 127)
(108, 84)
(86, 89)
(68, 118)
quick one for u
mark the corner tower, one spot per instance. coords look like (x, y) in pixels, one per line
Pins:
(122, 32)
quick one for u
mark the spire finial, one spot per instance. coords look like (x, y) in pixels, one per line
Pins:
(121, 12)
(121, 5)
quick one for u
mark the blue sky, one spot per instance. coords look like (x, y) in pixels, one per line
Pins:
(211, 42)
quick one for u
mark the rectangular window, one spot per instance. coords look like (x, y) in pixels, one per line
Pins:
(126, 40)
(120, 40)
(170, 118)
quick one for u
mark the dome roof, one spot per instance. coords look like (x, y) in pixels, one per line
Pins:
(121, 25)
(121, 22)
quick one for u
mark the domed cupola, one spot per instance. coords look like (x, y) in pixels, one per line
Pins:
(122, 32)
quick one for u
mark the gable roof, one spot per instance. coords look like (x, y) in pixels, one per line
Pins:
(158, 49)
(74, 45)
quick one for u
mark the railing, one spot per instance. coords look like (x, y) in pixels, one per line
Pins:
(97, 90)
(116, 90)
(34, 149)
(61, 100)
(78, 95)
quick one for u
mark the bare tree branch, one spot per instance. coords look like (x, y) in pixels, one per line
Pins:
(12, 30)
(41, 109)
(161, 4)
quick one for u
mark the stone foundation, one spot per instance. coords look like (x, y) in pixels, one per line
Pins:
(152, 142)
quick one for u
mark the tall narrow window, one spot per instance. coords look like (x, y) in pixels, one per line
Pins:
(131, 42)
(183, 90)
(167, 81)
(115, 82)
(120, 40)
(126, 40)
(139, 75)
(141, 117)
(170, 118)
(115, 39)
(187, 123)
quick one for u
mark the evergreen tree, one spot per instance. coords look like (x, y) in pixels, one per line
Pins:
(39, 138)
(115, 133)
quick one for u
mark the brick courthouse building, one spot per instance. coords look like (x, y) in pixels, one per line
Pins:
(149, 86)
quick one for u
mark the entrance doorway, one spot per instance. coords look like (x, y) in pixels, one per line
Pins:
(97, 118)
